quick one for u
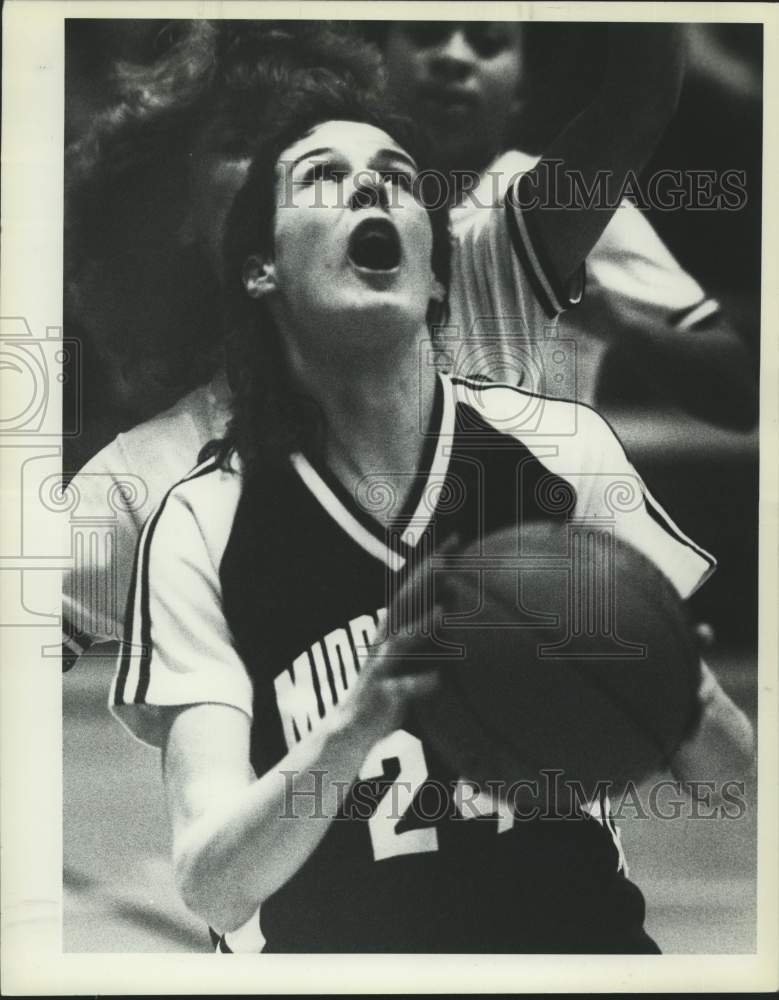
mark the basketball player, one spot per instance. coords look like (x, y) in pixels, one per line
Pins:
(449, 75)
(640, 282)
(148, 189)
(161, 450)
(262, 581)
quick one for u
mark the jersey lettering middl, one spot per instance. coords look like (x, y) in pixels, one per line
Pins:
(268, 598)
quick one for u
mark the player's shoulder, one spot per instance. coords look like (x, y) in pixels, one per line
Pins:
(512, 162)
(212, 488)
(174, 437)
(160, 451)
(196, 512)
(631, 235)
(191, 421)
(515, 411)
(493, 184)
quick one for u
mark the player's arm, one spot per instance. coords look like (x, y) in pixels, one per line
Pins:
(181, 685)
(705, 370)
(237, 839)
(721, 748)
(616, 133)
(668, 333)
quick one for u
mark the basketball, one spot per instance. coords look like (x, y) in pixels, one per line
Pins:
(570, 652)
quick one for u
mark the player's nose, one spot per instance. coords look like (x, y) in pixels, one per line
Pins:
(453, 58)
(369, 192)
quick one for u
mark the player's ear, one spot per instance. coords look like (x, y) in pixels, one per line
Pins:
(259, 276)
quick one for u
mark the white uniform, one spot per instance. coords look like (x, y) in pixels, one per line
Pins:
(632, 281)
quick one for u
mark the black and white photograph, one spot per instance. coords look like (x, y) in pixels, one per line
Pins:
(407, 492)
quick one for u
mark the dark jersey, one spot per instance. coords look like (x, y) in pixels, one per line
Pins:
(268, 598)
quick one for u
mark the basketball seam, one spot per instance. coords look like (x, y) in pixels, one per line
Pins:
(492, 734)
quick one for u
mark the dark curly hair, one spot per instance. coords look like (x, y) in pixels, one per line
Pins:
(204, 69)
(206, 88)
(270, 418)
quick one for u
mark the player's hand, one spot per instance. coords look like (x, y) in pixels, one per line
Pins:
(396, 673)
(390, 680)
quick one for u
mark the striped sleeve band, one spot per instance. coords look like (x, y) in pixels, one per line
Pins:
(660, 517)
(136, 647)
(554, 295)
(178, 649)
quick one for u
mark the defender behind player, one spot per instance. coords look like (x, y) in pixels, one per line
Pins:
(450, 75)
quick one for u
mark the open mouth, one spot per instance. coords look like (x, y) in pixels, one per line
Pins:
(374, 246)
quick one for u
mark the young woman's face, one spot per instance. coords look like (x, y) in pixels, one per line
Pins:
(459, 81)
(350, 238)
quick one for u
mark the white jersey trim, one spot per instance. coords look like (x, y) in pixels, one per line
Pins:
(439, 467)
(424, 510)
(341, 515)
(247, 938)
(154, 673)
(586, 447)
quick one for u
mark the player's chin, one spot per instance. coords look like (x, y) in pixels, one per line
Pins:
(375, 279)
(373, 302)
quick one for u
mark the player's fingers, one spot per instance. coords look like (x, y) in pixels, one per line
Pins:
(415, 639)
(417, 587)
(409, 653)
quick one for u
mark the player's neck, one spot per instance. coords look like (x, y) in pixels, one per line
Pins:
(375, 426)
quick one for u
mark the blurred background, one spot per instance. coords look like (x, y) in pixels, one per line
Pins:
(150, 337)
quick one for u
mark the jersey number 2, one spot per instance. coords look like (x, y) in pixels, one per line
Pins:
(382, 826)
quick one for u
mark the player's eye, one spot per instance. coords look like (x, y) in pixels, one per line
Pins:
(321, 172)
(398, 178)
